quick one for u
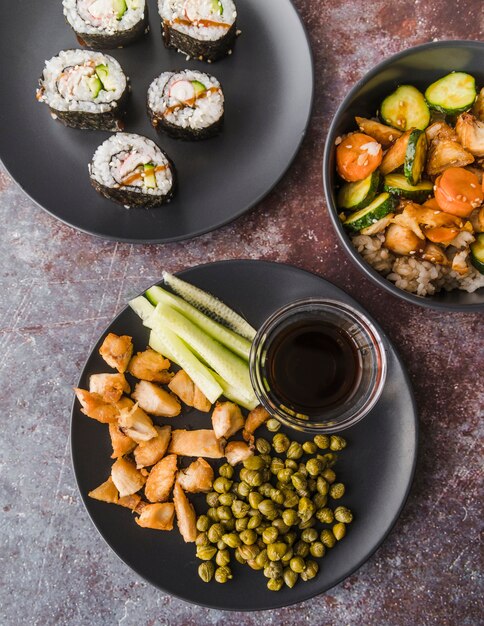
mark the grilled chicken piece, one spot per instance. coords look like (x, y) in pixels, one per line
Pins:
(184, 387)
(155, 400)
(196, 443)
(227, 419)
(385, 135)
(197, 477)
(379, 226)
(117, 351)
(150, 452)
(130, 502)
(477, 220)
(478, 108)
(161, 479)
(434, 254)
(95, 407)
(134, 421)
(126, 477)
(256, 418)
(237, 451)
(106, 492)
(459, 263)
(470, 131)
(402, 240)
(109, 386)
(414, 216)
(444, 149)
(151, 366)
(122, 444)
(185, 515)
(157, 516)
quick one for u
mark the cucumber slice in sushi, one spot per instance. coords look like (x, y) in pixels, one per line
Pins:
(477, 253)
(381, 206)
(405, 108)
(415, 156)
(452, 94)
(398, 185)
(354, 196)
(120, 7)
(210, 305)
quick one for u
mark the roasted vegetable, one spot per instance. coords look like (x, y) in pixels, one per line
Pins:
(478, 108)
(405, 108)
(395, 157)
(385, 135)
(470, 131)
(357, 156)
(445, 151)
(452, 94)
(458, 192)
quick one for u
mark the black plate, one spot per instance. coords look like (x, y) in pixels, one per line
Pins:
(377, 467)
(268, 84)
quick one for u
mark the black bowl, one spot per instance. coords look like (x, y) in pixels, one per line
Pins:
(417, 66)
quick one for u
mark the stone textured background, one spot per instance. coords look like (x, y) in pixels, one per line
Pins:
(60, 288)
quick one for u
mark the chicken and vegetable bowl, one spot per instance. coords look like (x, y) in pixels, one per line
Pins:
(411, 190)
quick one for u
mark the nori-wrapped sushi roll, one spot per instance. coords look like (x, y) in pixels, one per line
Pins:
(133, 171)
(85, 89)
(104, 24)
(202, 29)
(186, 105)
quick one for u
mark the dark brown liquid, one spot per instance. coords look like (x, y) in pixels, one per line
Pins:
(312, 367)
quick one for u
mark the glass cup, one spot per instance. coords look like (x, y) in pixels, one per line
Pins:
(369, 354)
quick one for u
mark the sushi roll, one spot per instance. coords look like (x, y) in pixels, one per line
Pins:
(133, 171)
(84, 89)
(203, 29)
(186, 105)
(107, 23)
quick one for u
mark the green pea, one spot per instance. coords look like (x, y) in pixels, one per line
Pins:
(284, 475)
(232, 540)
(319, 501)
(226, 471)
(290, 538)
(244, 489)
(273, 425)
(212, 499)
(325, 515)
(342, 514)
(294, 451)
(281, 525)
(254, 521)
(248, 552)
(317, 549)
(331, 459)
(222, 558)
(273, 570)
(249, 537)
(226, 499)
(202, 540)
(310, 571)
(290, 517)
(337, 443)
(222, 485)
(241, 524)
(223, 574)
(297, 564)
(322, 485)
(263, 446)
(309, 447)
(322, 441)
(309, 535)
(290, 577)
(275, 584)
(301, 548)
(203, 523)
(314, 467)
(280, 443)
(224, 512)
(299, 481)
(291, 464)
(262, 559)
(275, 551)
(206, 571)
(228, 524)
(254, 463)
(337, 491)
(267, 507)
(215, 533)
(276, 496)
(327, 538)
(255, 499)
(339, 530)
(206, 553)
(252, 563)
(270, 535)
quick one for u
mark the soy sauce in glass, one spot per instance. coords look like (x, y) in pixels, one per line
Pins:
(312, 366)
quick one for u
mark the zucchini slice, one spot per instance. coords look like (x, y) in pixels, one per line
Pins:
(354, 196)
(381, 206)
(477, 253)
(398, 185)
(452, 94)
(415, 156)
(405, 108)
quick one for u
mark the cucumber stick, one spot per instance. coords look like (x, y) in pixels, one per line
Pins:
(227, 337)
(228, 365)
(210, 305)
(143, 309)
(171, 346)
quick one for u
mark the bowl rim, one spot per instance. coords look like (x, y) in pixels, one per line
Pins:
(355, 256)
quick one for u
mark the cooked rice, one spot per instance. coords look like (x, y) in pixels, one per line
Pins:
(171, 10)
(75, 13)
(411, 274)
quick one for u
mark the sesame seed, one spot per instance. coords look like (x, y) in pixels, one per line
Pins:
(337, 141)
(348, 147)
(473, 185)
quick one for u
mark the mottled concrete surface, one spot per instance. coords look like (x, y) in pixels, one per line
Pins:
(60, 288)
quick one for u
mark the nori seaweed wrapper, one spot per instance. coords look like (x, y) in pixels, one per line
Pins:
(160, 123)
(202, 50)
(115, 40)
(109, 120)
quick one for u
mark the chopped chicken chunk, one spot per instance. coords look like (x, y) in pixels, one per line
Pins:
(161, 479)
(196, 443)
(134, 421)
(197, 477)
(227, 419)
(106, 492)
(150, 452)
(184, 387)
(157, 516)
(256, 418)
(126, 477)
(117, 351)
(185, 515)
(109, 386)
(151, 366)
(95, 407)
(237, 451)
(155, 400)
(122, 444)
(130, 502)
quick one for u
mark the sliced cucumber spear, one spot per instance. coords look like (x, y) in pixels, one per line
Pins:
(227, 337)
(415, 156)
(381, 206)
(452, 94)
(120, 7)
(232, 369)
(143, 309)
(95, 85)
(149, 176)
(199, 87)
(398, 185)
(354, 196)
(105, 77)
(210, 305)
(477, 253)
(405, 108)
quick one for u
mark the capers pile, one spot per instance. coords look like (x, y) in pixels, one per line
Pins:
(275, 515)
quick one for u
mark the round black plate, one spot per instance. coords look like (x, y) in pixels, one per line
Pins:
(268, 84)
(377, 467)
